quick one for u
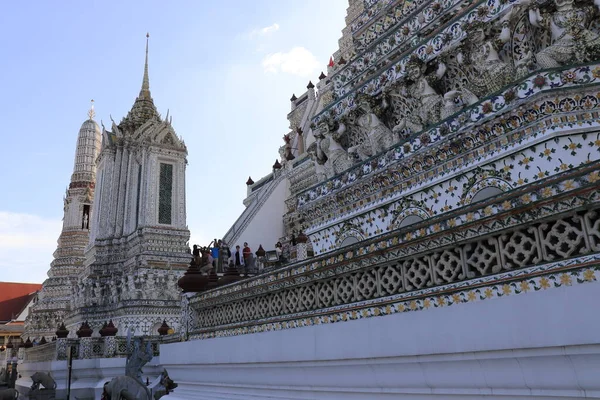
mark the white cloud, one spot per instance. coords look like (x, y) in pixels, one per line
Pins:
(297, 61)
(26, 246)
(265, 31)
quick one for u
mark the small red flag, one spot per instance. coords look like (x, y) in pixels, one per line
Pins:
(330, 62)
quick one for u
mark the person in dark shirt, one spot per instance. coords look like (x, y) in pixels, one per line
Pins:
(238, 257)
(196, 255)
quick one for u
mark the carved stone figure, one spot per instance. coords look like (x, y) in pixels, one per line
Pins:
(330, 152)
(126, 387)
(131, 287)
(427, 104)
(9, 394)
(140, 355)
(319, 167)
(571, 39)
(114, 294)
(480, 53)
(378, 137)
(97, 292)
(165, 386)
(44, 379)
(49, 390)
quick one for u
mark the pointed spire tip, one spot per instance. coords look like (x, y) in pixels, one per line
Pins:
(92, 112)
(145, 92)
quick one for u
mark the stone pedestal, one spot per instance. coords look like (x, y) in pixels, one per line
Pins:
(61, 349)
(260, 263)
(42, 394)
(110, 346)
(21, 353)
(85, 347)
(301, 251)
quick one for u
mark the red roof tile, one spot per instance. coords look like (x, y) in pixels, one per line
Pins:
(14, 297)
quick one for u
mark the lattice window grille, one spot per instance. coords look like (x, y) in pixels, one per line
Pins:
(564, 237)
(165, 194)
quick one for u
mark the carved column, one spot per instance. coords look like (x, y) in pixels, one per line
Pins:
(301, 251)
(301, 247)
(21, 353)
(61, 349)
(85, 347)
(110, 346)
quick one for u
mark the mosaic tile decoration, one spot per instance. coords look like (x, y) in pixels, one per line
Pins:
(571, 272)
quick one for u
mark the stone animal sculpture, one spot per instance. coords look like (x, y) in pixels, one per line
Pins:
(142, 353)
(126, 387)
(3, 377)
(165, 386)
(9, 394)
(44, 379)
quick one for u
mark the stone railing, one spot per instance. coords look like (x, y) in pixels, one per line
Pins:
(45, 352)
(88, 348)
(412, 264)
(244, 219)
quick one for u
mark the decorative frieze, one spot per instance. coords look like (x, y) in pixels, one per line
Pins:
(548, 242)
(477, 125)
(389, 210)
(572, 272)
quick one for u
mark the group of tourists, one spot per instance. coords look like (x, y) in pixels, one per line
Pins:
(218, 255)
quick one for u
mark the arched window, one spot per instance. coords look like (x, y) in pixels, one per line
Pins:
(486, 193)
(349, 241)
(410, 220)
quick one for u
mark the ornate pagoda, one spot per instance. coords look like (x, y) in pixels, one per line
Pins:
(138, 241)
(445, 172)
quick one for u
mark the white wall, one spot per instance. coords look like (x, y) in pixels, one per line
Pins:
(537, 345)
(267, 225)
(88, 376)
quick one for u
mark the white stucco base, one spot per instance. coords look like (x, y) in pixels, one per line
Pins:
(540, 345)
(88, 376)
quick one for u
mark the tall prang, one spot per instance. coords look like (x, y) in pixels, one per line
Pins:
(54, 298)
(138, 245)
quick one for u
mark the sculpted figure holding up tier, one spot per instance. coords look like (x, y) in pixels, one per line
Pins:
(319, 164)
(568, 23)
(378, 137)
(480, 53)
(417, 105)
(329, 149)
(427, 102)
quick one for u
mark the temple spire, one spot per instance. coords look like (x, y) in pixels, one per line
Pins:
(143, 108)
(145, 91)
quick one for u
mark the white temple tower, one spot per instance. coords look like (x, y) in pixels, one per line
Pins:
(54, 297)
(139, 238)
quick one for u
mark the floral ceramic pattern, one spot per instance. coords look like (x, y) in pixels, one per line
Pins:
(348, 80)
(539, 162)
(571, 272)
(410, 241)
(467, 121)
(381, 190)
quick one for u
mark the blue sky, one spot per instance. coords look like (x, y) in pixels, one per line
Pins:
(225, 70)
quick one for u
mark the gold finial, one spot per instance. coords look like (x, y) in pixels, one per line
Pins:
(91, 112)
